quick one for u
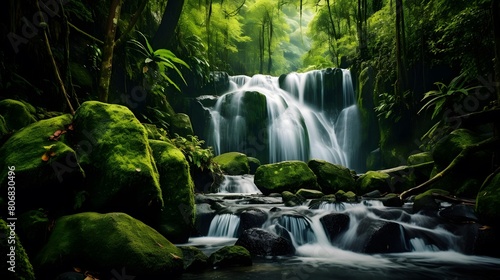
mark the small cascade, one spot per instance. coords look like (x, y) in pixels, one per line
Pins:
(295, 117)
(238, 184)
(224, 225)
(299, 229)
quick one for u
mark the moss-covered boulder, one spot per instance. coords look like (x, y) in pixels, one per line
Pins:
(105, 243)
(488, 202)
(17, 114)
(194, 259)
(3, 127)
(46, 172)
(426, 201)
(285, 176)
(33, 229)
(176, 220)
(15, 264)
(332, 177)
(346, 196)
(419, 158)
(466, 177)
(154, 132)
(253, 163)
(181, 124)
(310, 194)
(117, 158)
(374, 180)
(230, 256)
(233, 163)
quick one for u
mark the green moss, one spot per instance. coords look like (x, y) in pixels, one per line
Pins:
(451, 145)
(291, 200)
(181, 124)
(33, 229)
(426, 202)
(488, 202)
(343, 196)
(373, 180)
(22, 266)
(155, 133)
(103, 242)
(419, 158)
(310, 194)
(47, 184)
(177, 217)
(121, 172)
(230, 256)
(16, 114)
(285, 176)
(233, 163)
(332, 177)
(3, 126)
(194, 259)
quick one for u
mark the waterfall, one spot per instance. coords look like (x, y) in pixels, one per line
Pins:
(238, 184)
(224, 225)
(299, 116)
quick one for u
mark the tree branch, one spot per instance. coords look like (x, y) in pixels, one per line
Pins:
(133, 20)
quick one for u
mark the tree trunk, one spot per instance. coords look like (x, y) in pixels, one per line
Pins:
(108, 49)
(400, 52)
(269, 51)
(169, 21)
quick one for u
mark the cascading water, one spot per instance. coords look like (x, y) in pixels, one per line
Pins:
(238, 184)
(224, 225)
(297, 117)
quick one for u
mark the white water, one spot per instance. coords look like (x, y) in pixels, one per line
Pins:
(301, 121)
(238, 184)
(224, 225)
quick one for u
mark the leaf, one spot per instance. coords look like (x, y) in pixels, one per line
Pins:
(45, 157)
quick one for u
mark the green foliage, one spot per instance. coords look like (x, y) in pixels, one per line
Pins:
(157, 62)
(157, 117)
(390, 106)
(195, 154)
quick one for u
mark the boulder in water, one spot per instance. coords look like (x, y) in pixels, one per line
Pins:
(176, 219)
(253, 163)
(291, 199)
(459, 213)
(204, 216)
(230, 256)
(309, 194)
(233, 163)
(335, 224)
(426, 201)
(194, 259)
(346, 196)
(263, 243)
(285, 176)
(374, 180)
(385, 237)
(107, 242)
(332, 177)
(252, 218)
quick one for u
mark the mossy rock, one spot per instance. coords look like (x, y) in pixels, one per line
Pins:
(291, 200)
(107, 242)
(229, 256)
(194, 259)
(177, 217)
(121, 172)
(17, 114)
(419, 158)
(253, 163)
(46, 172)
(181, 124)
(310, 194)
(33, 229)
(374, 180)
(154, 132)
(233, 163)
(488, 202)
(426, 201)
(450, 146)
(285, 176)
(346, 196)
(332, 177)
(21, 268)
(3, 127)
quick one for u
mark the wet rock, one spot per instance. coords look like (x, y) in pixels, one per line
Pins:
(230, 256)
(291, 199)
(459, 213)
(309, 194)
(233, 163)
(426, 201)
(252, 218)
(284, 176)
(204, 216)
(346, 196)
(335, 224)
(181, 124)
(194, 259)
(253, 163)
(200, 198)
(386, 237)
(374, 180)
(392, 200)
(263, 243)
(332, 177)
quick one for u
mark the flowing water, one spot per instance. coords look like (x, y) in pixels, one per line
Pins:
(300, 117)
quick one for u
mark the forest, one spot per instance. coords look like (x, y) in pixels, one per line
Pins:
(140, 110)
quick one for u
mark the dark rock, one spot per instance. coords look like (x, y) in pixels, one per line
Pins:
(71, 276)
(22, 266)
(263, 243)
(230, 256)
(488, 202)
(335, 224)
(204, 216)
(426, 201)
(309, 194)
(181, 124)
(33, 229)
(252, 218)
(459, 213)
(291, 199)
(194, 259)
(253, 164)
(386, 238)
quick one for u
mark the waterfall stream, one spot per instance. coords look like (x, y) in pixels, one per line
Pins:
(297, 117)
